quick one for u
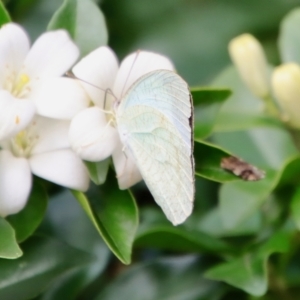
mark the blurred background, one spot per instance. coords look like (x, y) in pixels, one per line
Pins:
(194, 33)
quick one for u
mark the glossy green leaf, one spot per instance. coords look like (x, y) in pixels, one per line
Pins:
(98, 170)
(177, 239)
(156, 232)
(207, 102)
(44, 260)
(8, 244)
(114, 214)
(174, 278)
(84, 21)
(67, 221)
(289, 39)
(4, 15)
(207, 162)
(271, 149)
(242, 110)
(28, 219)
(291, 173)
(249, 272)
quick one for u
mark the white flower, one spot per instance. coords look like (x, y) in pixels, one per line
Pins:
(93, 134)
(286, 86)
(248, 56)
(41, 149)
(30, 78)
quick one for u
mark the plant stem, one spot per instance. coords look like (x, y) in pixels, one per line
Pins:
(271, 107)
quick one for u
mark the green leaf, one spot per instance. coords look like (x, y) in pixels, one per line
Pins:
(156, 232)
(114, 214)
(98, 170)
(207, 102)
(291, 173)
(8, 244)
(207, 162)
(242, 110)
(271, 149)
(240, 200)
(289, 39)
(44, 260)
(67, 221)
(84, 21)
(28, 219)
(177, 239)
(211, 223)
(167, 278)
(267, 148)
(249, 272)
(4, 15)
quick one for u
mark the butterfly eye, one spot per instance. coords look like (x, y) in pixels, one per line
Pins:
(116, 104)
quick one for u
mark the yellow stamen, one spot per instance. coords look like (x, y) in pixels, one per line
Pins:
(19, 144)
(21, 139)
(22, 81)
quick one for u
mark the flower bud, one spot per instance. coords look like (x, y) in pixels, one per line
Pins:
(248, 56)
(286, 87)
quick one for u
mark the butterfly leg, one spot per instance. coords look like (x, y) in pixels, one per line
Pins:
(126, 158)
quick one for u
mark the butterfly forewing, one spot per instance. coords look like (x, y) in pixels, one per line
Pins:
(168, 93)
(154, 124)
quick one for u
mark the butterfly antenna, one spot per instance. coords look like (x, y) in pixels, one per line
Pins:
(108, 91)
(131, 68)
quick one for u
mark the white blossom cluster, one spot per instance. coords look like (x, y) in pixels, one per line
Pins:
(49, 123)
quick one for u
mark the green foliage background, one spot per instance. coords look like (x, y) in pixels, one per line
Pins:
(242, 240)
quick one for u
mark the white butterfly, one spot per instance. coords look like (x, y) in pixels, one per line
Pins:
(154, 121)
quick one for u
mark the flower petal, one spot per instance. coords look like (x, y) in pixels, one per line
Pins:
(90, 136)
(14, 46)
(15, 183)
(51, 134)
(62, 167)
(249, 58)
(15, 114)
(127, 172)
(99, 68)
(52, 54)
(286, 87)
(136, 65)
(59, 98)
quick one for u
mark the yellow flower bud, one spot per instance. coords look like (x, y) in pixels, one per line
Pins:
(248, 56)
(286, 87)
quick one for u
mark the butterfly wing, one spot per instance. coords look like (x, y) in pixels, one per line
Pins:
(168, 93)
(154, 123)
